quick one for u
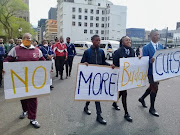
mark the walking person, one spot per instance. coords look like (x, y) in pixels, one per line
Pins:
(71, 53)
(95, 55)
(2, 54)
(149, 50)
(26, 52)
(60, 50)
(125, 51)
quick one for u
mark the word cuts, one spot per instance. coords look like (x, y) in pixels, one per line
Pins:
(96, 83)
(26, 79)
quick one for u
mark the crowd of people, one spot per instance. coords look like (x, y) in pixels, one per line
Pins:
(63, 54)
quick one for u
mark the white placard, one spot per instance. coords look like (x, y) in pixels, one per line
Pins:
(96, 83)
(133, 73)
(26, 79)
(167, 64)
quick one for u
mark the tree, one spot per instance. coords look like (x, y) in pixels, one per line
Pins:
(8, 20)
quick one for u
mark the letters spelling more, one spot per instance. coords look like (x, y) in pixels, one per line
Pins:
(25, 82)
(168, 61)
(103, 78)
(137, 76)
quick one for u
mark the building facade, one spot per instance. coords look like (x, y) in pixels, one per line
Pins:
(51, 29)
(41, 29)
(135, 33)
(52, 14)
(84, 18)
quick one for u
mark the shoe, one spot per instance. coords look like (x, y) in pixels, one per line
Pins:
(101, 120)
(128, 117)
(153, 112)
(35, 124)
(142, 102)
(23, 115)
(51, 87)
(116, 107)
(86, 110)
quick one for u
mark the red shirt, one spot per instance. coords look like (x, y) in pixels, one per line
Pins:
(60, 49)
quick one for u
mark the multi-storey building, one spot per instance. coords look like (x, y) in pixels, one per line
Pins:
(52, 14)
(51, 29)
(41, 29)
(84, 18)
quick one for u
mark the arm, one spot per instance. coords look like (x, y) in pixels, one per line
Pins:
(41, 58)
(74, 50)
(11, 56)
(43, 53)
(2, 51)
(116, 58)
(85, 57)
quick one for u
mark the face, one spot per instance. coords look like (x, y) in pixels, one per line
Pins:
(45, 42)
(155, 36)
(61, 40)
(126, 41)
(19, 42)
(67, 40)
(27, 38)
(11, 41)
(96, 41)
(1, 40)
(35, 43)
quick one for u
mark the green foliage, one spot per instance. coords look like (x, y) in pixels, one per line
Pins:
(9, 23)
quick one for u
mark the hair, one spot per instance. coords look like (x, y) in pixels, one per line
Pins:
(44, 41)
(95, 36)
(152, 31)
(121, 40)
(27, 34)
(62, 38)
(56, 39)
(68, 38)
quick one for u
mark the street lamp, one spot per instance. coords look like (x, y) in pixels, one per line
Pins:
(20, 30)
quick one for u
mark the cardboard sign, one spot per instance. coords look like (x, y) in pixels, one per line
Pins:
(167, 64)
(133, 73)
(96, 83)
(26, 79)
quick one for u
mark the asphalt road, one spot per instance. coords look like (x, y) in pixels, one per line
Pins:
(59, 114)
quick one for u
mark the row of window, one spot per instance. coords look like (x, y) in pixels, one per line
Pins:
(91, 11)
(91, 18)
(96, 31)
(91, 24)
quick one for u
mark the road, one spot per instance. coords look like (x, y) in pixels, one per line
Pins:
(59, 114)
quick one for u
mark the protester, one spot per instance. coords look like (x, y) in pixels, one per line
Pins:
(56, 67)
(95, 55)
(60, 50)
(26, 52)
(18, 42)
(71, 53)
(35, 44)
(125, 51)
(149, 50)
(9, 46)
(47, 53)
(139, 51)
(2, 54)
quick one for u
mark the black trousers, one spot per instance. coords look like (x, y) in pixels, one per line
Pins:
(69, 63)
(98, 107)
(60, 64)
(1, 67)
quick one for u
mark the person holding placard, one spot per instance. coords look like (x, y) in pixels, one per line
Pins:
(27, 52)
(124, 51)
(149, 50)
(95, 55)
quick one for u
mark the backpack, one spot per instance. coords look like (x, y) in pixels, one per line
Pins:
(89, 53)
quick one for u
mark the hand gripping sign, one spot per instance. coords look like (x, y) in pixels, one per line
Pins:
(26, 79)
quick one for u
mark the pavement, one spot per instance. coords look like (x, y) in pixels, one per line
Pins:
(59, 114)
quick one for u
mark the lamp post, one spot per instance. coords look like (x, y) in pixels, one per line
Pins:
(20, 30)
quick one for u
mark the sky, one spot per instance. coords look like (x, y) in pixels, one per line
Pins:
(148, 14)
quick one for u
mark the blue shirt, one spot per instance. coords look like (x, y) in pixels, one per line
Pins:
(71, 49)
(2, 53)
(47, 50)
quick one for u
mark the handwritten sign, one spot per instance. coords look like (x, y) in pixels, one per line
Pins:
(96, 83)
(26, 79)
(167, 64)
(133, 73)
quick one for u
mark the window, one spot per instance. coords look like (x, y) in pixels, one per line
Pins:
(73, 9)
(91, 31)
(79, 17)
(86, 10)
(102, 31)
(85, 31)
(102, 38)
(73, 17)
(97, 24)
(92, 11)
(85, 17)
(79, 23)
(91, 17)
(108, 18)
(80, 10)
(108, 24)
(97, 11)
(97, 18)
(91, 24)
(102, 18)
(73, 23)
(102, 25)
(99, 4)
(96, 31)
(85, 24)
(103, 12)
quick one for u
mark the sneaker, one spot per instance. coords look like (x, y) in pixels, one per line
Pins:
(86, 110)
(101, 120)
(23, 115)
(128, 117)
(35, 123)
(116, 107)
